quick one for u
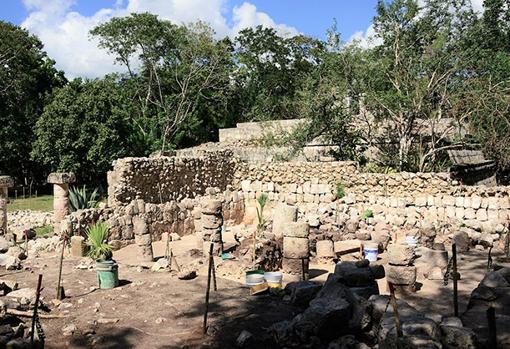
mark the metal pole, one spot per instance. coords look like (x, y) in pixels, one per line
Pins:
(455, 291)
(208, 290)
(34, 316)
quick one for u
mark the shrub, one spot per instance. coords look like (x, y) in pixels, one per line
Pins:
(96, 240)
(340, 190)
(262, 200)
(81, 198)
(45, 230)
(368, 214)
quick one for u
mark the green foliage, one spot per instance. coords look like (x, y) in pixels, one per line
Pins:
(261, 222)
(82, 198)
(44, 230)
(27, 77)
(97, 235)
(368, 213)
(340, 190)
(41, 203)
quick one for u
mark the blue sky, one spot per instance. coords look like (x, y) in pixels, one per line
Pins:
(308, 16)
(63, 25)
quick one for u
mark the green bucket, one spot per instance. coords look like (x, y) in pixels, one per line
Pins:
(107, 274)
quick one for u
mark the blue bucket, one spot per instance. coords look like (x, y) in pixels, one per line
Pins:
(371, 253)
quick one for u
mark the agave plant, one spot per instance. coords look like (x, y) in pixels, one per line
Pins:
(262, 200)
(96, 240)
(80, 198)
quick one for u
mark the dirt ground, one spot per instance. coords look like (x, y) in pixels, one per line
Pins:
(157, 310)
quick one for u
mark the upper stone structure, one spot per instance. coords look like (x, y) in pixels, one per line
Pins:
(61, 178)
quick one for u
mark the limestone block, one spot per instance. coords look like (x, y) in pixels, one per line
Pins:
(504, 203)
(145, 253)
(481, 214)
(448, 200)
(450, 211)
(212, 207)
(142, 240)
(78, 246)
(476, 202)
(325, 249)
(295, 247)
(467, 202)
(492, 203)
(400, 254)
(459, 212)
(245, 185)
(459, 201)
(469, 213)
(296, 229)
(347, 246)
(401, 275)
(61, 178)
(295, 266)
(492, 215)
(140, 226)
(282, 215)
(211, 221)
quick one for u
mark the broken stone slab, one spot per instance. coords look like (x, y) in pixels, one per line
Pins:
(24, 296)
(9, 262)
(296, 230)
(302, 292)
(295, 247)
(400, 254)
(401, 275)
(186, 274)
(61, 178)
(354, 276)
(347, 246)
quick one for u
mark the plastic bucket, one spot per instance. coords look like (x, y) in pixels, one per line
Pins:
(371, 252)
(274, 279)
(255, 277)
(107, 274)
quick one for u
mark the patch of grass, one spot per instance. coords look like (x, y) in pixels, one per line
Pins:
(44, 230)
(340, 190)
(368, 213)
(41, 203)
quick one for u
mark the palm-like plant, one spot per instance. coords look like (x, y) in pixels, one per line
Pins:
(80, 198)
(96, 240)
(261, 200)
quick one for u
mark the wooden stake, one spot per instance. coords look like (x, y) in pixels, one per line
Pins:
(304, 272)
(36, 306)
(60, 289)
(491, 320)
(213, 267)
(209, 272)
(393, 302)
(454, 275)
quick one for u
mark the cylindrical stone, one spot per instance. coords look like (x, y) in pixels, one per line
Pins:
(60, 201)
(295, 266)
(283, 215)
(296, 229)
(145, 253)
(211, 221)
(325, 249)
(401, 275)
(78, 246)
(400, 254)
(295, 247)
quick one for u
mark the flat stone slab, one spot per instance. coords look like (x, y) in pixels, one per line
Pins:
(61, 177)
(6, 182)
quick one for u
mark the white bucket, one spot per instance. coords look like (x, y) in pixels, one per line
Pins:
(371, 253)
(411, 241)
(274, 279)
(254, 279)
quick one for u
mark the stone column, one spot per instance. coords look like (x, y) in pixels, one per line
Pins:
(211, 221)
(5, 182)
(401, 271)
(61, 183)
(296, 248)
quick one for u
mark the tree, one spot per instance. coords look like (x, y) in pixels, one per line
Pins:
(177, 70)
(85, 127)
(27, 77)
(269, 71)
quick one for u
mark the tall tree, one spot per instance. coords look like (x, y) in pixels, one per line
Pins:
(27, 77)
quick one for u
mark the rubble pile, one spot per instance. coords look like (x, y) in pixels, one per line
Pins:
(493, 291)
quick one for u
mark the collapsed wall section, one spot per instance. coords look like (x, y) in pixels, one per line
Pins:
(168, 178)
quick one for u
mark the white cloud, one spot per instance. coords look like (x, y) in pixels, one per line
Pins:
(64, 32)
(247, 16)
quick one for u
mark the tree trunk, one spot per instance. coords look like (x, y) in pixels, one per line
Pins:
(403, 151)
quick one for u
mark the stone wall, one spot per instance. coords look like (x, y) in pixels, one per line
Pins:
(176, 217)
(168, 178)
(400, 199)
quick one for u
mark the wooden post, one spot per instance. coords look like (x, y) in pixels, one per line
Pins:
(304, 272)
(393, 302)
(454, 275)
(34, 316)
(208, 290)
(60, 289)
(213, 267)
(491, 320)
